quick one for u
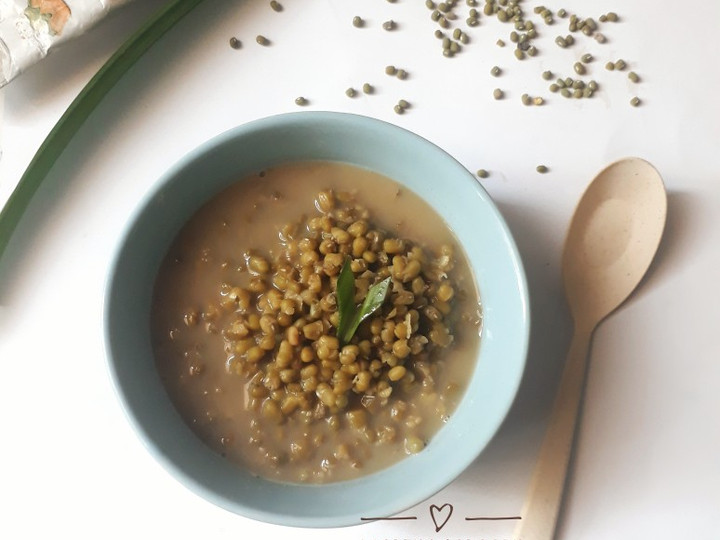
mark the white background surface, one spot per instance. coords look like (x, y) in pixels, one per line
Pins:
(647, 462)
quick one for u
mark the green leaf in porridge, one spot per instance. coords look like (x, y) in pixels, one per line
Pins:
(351, 315)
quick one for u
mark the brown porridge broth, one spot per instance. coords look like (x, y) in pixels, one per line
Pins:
(188, 319)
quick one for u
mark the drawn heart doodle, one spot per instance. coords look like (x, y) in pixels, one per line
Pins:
(440, 515)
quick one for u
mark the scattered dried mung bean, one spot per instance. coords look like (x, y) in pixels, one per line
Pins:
(402, 74)
(612, 16)
(519, 54)
(554, 87)
(525, 99)
(495, 71)
(439, 34)
(235, 43)
(350, 92)
(635, 101)
(368, 88)
(561, 42)
(634, 77)
(610, 66)
(389, 25)
(532, 50)
(429, 4)
(579, 68)
(275, 5)
(390, 70)
(404, 104)
(593, 85)
(542, 169)
(620, 65)
(498, 94)
(565, 92)
(301, 101)
(562, 13)
(538, 101)
(482, 173)
(547, 75)
(586, 58)
(600, 38)
(500, 43)
(262, 40)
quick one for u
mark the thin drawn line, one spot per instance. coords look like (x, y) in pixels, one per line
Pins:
(499, 518)
(397, 518)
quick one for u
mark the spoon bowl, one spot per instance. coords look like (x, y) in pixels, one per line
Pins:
(612, 239)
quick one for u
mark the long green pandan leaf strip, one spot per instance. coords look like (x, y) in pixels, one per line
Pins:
(84, 104)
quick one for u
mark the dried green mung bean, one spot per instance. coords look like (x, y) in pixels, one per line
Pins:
(620, 65)
(587, 92)
(390, 70)
(561, 83)
(610, 66)
(500, 43)
(519, 54)
(429, 4)
(235, 43)
(612, 16)
(439, 34)
(514, 36)
(561, 42)
(301, 101)
(569, 81)
(472, 21)
(443, 22)
(358, 22)
(579, 68)
(262, 40)
(538, 101)
(602, 18)
(554, 87)
(578, 93)
(525, 99)
(578, 84)
(404, 104)
(442, 6)
(464, 38)
(455, 47)
(562, 13)
(446, 43)
(275, 5)
(482, 173)
(498, 94)
(547, 75)
(634, 77)
(593, 85)
(457, 33)
(389, 25)
(600, 38)
(532, 51)
(635, 102)
(402, 74)
(569, 40)
(565, 92)
(586, 58)
(435, 15)
(350, 92)
(368, 88)
(495, 71)
(398, 109)
(542, 169)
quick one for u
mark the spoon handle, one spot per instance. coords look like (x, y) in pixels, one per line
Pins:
(544, 497)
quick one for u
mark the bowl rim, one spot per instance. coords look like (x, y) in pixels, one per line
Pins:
(280, 121)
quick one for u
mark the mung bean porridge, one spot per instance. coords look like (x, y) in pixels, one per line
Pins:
(248, 310)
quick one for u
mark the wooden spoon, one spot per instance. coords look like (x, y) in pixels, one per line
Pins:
(612, 239)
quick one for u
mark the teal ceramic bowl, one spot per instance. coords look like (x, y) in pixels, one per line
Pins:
(372, 144)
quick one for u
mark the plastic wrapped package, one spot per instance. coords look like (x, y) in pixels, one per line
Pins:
(29, 29)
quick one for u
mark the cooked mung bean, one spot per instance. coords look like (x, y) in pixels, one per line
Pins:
(274, 388)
